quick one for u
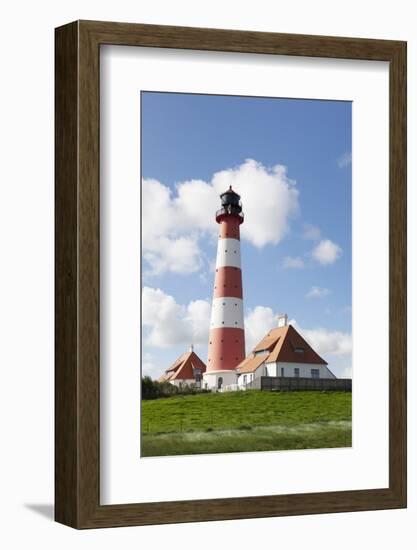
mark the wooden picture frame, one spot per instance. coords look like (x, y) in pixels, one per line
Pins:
(77, 382)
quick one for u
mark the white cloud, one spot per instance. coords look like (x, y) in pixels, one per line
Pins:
(317, 292)
(344, 160)
(165, 248)
(327, 342)
(346, 372)
(293, 262)
(180, 255)
(174, 223)
(197, 318)
(327, 252)
(258, 322)
(195, 205)
(311, 232)
(149, 368)
(269, 199)
(171, 323)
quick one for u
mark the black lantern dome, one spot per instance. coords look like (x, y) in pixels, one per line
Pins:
(231, 205)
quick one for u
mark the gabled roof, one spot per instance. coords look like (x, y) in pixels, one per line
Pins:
(183, 368)
(268, 341)
(280, 345)
(252, 362)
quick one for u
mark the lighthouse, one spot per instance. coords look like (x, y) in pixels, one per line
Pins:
(226, 348)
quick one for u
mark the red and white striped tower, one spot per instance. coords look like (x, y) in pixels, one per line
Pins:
(227, 333)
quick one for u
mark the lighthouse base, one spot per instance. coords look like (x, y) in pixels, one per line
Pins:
(217, 380)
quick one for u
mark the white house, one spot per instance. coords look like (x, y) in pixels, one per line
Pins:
(186, 370)
(282, 352)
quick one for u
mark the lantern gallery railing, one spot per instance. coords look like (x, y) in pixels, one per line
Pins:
(229, 210)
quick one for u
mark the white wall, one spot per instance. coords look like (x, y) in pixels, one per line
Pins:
(211, 378)
(26, 289)
(305, 370)
(183, 382)
(274, 369)
(249, 377)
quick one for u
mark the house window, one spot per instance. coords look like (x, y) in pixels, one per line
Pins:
(265, 371)
(299, 350)
(197, 375)
(260, 352)
(219, 382)
(296, 372)
(315, 373)
(282, 371)
(244, 379)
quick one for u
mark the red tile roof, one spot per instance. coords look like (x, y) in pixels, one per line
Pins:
(280, 345)
(183, 368)
(252, 362)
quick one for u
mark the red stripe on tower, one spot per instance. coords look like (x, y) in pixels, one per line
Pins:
(227, 334)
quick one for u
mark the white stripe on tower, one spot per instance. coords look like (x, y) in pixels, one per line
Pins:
(227, 312)
(227, 336)
(228, 253)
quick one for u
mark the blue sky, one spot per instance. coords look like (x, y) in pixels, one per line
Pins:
(299, 263)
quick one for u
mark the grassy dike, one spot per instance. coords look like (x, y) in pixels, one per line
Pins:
(245, 421)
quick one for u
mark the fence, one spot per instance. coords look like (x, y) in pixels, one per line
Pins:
(276, 383)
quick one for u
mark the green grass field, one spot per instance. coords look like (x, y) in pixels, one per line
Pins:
(245, 421)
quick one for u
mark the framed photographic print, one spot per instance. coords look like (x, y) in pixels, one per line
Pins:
(230, 274)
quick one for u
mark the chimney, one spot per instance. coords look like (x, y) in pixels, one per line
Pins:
(282, 320)
(192, 347)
